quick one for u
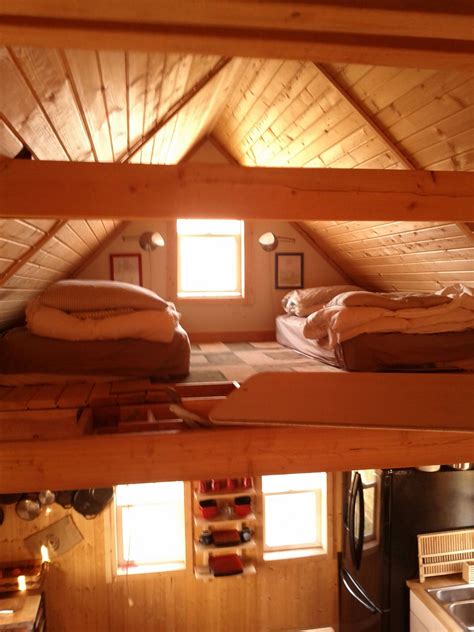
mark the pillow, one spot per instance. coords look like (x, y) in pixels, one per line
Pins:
(78, 296)
(309, 300)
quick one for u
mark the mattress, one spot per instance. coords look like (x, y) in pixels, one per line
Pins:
(22, 353)
(384, 351)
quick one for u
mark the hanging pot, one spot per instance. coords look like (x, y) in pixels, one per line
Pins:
(90, 502)
(29, 507)
(47, 497)
(65, 497)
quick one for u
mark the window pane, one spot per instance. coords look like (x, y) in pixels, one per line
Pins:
(290, 520)
(368, 476)
(208, 264)
(369, 511)
(153, 533)
(293, 482)
(148, 493)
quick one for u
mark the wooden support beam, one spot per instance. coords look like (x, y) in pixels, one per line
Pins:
(103, 460)
(107, 190)
(421, 36)
(19, 263)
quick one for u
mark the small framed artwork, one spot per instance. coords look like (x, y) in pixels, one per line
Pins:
(126, 268)
(289, 270)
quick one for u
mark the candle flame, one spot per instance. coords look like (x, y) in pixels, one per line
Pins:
(44, 554)
(21, 583)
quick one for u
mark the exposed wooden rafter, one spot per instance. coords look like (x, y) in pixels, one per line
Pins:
(175, 109)
(419, 36)
(381, 134)
(312, 241)
(104, 244)
(19, 263)
(108, 190)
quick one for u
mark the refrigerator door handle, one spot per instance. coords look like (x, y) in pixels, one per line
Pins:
(356, 591)
(357, 492)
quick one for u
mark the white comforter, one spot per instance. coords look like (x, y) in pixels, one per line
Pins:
(354, 313)
(152, 324)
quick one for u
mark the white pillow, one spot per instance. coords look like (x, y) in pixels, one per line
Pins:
(309, 300)
(76, 296)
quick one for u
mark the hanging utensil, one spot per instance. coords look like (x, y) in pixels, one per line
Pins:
(65, 497)
(28, 508)
(47, 497)
(90, 502)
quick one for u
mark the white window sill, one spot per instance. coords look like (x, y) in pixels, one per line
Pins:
(292, 554)
(123, 571)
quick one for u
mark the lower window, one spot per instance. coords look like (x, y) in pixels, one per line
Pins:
(150, 528)
(295, 515)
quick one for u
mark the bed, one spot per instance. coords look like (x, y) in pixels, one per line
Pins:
(78, 330)
(370, 338)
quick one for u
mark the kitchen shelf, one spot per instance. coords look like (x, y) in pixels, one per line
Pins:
(219, 520)
(203, 572)
(209, 548)
(250, 491)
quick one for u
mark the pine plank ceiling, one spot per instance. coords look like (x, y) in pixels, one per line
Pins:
(153, 108)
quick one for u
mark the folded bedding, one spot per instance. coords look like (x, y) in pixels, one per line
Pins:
(101, 310)
(353, 313)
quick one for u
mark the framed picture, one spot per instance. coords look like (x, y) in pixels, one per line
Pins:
(126, 268)
(289, 270)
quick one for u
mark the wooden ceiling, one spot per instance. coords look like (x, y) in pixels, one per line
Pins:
(152, 108)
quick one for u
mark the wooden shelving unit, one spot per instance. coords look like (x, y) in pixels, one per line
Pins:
(203, 572)
(227, 519)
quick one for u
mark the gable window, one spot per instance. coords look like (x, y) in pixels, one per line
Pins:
(295, 515)
(210, 258)
(150, 528)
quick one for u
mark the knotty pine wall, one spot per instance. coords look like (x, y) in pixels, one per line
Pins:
(283, 595)
(399, 255)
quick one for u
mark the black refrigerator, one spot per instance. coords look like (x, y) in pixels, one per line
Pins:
(383, 511)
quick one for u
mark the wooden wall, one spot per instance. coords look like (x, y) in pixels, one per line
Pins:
(399, 255)
(283, 595)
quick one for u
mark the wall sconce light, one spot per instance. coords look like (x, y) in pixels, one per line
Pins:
(148, 241)
(270, 241)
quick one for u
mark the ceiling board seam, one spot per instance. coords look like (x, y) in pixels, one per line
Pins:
(18, 264)
(127, 96)
(66, 245)
(382, 236)
(107, 241)
(71, 229)
(174, 122)
(25, 223)
(20, 139)
(104, 100)
(36, 97)
(175, 108)
(77, 100)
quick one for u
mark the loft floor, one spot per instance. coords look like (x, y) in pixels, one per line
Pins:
(219, 361)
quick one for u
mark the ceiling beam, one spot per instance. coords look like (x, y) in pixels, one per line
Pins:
(106, 460)
(113, 191)
(420, 36)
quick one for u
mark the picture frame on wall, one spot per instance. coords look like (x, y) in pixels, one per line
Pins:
(289, 270)
(127, 268)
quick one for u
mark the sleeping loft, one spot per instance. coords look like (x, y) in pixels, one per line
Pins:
(237, 316)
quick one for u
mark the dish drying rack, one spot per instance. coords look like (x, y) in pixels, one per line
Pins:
(444, 553)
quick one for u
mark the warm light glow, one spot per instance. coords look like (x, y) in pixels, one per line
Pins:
(210, 257)
(44, 554)
(21, 583)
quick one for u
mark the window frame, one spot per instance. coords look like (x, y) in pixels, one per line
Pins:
(118, 563)
(320, 546)
(173, 265)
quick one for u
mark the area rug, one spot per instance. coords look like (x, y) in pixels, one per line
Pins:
(219, 361)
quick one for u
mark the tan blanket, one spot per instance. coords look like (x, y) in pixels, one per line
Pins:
(353, 313)
(152, 324)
